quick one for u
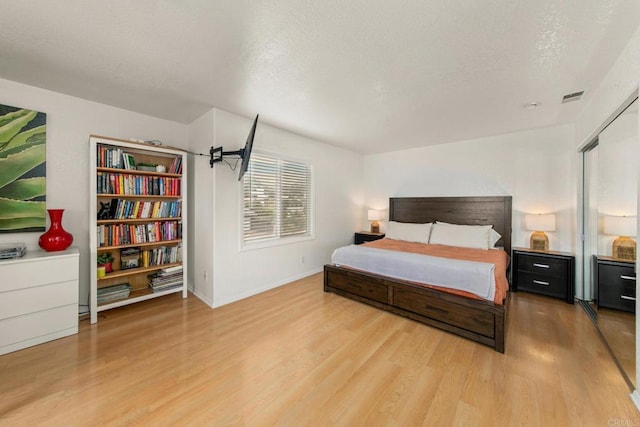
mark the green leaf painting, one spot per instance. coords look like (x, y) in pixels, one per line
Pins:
(22, 170)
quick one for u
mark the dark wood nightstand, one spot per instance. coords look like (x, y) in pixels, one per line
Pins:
(615, 283)
(365, 236)
(544, 272)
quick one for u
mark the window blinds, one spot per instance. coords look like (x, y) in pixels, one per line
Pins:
(277, 199)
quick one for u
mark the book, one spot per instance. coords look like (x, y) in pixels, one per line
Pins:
(129, 161)
(114, 292)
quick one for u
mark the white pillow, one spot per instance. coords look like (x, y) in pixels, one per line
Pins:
(494, 236)
(408, 232)
(466, 236)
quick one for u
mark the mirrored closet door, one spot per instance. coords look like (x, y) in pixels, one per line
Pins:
(610, 208)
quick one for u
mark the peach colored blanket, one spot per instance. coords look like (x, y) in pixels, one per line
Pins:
(497, 257)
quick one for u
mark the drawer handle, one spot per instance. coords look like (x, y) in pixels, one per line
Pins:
(540, 265)
(627, 298)
(540, 282)
(628, 277)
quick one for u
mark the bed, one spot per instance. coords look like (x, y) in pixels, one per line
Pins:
(480, 320)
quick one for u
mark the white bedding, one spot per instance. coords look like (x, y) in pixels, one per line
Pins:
(475, 277)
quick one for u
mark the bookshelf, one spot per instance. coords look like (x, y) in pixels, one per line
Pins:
(137, 215)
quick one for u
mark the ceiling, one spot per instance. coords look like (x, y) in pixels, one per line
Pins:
(372, 75)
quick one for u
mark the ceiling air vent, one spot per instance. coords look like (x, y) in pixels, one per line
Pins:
(575, 96)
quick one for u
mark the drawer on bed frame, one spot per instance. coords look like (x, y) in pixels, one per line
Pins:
(370, 288)
(478, 321)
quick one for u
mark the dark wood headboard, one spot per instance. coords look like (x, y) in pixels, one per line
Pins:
(494, 211)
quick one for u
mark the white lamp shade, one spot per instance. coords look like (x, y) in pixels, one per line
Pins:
(540, 222)
(619, 225)
(374, 215)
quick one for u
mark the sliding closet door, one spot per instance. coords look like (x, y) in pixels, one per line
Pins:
(617, 208)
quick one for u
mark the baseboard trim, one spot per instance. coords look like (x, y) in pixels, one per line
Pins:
(635, 397)
(202, 298)
(274, 285)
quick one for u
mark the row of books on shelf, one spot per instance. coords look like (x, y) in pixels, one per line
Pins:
(160, 256)
(137, 185)
(110, 157)
(116, 158)
(135, 257)
(131, 258)
(131, 234)
(167, 278)
(176, 166)
(138, 209)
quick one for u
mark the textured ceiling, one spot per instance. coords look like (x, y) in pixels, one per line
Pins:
(372, 76)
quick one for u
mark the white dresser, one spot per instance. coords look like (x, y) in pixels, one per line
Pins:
(38, 298)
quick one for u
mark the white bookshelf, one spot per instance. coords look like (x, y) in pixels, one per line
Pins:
(151, 218)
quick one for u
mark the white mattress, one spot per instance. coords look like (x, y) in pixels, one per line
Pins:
(477, 278)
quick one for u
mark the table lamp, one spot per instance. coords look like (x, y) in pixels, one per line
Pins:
(539, 224)
(374, 216)
(624, 247)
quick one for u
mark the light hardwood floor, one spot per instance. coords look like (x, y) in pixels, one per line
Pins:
(619, 329)
(296, 356)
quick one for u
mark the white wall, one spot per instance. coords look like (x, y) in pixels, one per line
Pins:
(70, 121)
(338, 198)
(536, 168)
(201, 190)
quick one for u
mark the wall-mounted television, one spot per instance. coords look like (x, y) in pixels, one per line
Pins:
(217, 154)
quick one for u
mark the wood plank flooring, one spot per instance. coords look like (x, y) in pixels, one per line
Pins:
(297, 356)
(619, 329)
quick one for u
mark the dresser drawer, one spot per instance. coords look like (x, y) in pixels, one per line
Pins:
(612, 274)
(542, 284)
(620, 297)
(540, 265)
(617, 287)
(33, 272)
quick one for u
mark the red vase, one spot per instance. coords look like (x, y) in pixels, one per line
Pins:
(55, 238)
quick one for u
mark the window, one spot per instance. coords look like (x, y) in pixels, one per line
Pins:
(277, 199)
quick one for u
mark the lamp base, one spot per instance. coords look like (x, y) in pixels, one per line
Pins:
(624, 248)
(539, 241)
(375, 227)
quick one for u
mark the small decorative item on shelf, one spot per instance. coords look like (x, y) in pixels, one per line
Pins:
(105, 260)
(129, 258)
(149, 167)
(105, 209)
(55, 238)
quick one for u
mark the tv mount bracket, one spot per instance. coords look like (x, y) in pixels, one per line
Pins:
(216, 154)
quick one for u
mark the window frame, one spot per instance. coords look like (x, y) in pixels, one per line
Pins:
(278, 240)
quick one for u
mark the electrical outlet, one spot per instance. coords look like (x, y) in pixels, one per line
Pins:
(301, 259)
(204, 275)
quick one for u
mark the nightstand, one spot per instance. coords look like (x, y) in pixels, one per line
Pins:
(616, 283)
(365, 236)
(544, 272)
